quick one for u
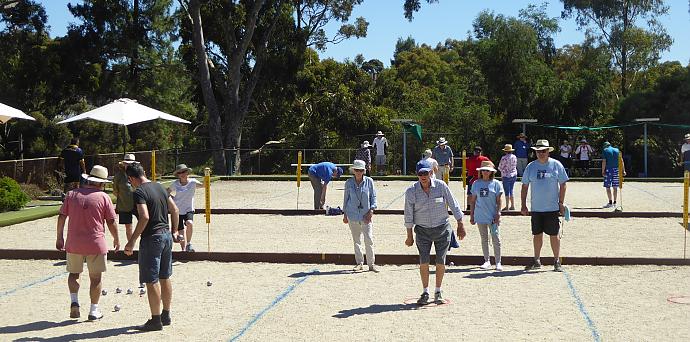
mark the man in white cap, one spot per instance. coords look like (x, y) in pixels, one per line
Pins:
(685, 153)
(444, 156)
(87, 208)
(380, 144)
(547, 177)
(122, 190)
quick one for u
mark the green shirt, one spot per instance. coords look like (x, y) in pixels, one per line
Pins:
(123, 192)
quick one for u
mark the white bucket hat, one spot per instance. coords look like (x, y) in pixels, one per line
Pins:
(358, 165)
(98, 174)
(379, 133)
(366, 144)
(441, 141)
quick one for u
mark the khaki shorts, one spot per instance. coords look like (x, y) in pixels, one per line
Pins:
(95, 263)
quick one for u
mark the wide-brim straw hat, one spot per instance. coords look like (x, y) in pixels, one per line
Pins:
(129, 158)
(508, 148)
(98, 174)
(379, 133)
(441, 141)
(486, 166)
(181, 168)
(687, 136)
(542, 144)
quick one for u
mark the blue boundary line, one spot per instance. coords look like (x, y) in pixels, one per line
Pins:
(38, 282)
(581, 306)
(394, 200)
(275, 302)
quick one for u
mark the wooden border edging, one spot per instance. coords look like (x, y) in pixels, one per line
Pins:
(346, 259)
(312, 212)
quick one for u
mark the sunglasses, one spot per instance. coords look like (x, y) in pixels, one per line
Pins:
(423, 173)
(358, 170)
(543, 151)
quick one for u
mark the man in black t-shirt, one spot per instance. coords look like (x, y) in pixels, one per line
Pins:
(153, 204)
(73, 164)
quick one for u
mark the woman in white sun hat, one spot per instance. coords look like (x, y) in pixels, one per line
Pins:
(485, 205)
(358, 207)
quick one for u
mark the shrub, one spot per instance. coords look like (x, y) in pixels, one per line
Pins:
(11, 195)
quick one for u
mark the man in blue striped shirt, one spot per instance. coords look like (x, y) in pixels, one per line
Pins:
(426, 211)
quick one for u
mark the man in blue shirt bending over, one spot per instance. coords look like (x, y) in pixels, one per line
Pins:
(319, 175)
(609, 170)
(547, 178)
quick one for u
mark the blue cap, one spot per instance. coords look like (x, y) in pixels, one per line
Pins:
(340, 171)
(423, 166)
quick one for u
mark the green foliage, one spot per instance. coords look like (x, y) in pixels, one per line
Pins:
(11, 195)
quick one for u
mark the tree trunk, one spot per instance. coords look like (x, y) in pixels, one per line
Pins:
(214, 122)
(624, 52)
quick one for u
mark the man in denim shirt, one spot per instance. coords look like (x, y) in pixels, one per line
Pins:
(426, 203)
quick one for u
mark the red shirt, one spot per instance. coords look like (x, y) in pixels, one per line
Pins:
(87, 209)
(473, 163)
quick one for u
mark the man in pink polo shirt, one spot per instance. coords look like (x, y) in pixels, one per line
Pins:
(87, 208)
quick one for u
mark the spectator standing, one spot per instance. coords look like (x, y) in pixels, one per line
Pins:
(548, 178)
(359, 204)
(73, 164)
(609, 170)
(381, 146)
(473, 163)
(122, 190)
(508, 168)
(685, 153)
(566, 155)
(444, 156)
(522, 147)
(584, 151)
(87, 208)
(364, 153)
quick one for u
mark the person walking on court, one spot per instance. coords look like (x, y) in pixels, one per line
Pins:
(609, 170)
(87, 208)
(485, 204)
(364, 153)
(427, 155)
(426, 203)
(320, 175)
(521, 152)
(73, 164)
(444, 156)
(359, 204)
(184, 189)
(381, 146)
(123, 192)
(153, 204)
(548, 178)
(508, 168)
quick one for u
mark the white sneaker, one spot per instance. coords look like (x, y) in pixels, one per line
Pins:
(357, 268)
(608, 205)
(486, 265)
(499, 267)
(95, 315)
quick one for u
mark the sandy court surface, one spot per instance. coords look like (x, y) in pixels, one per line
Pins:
(268, 302)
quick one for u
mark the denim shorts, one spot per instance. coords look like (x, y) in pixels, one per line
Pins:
(155, 257)
(439, 236)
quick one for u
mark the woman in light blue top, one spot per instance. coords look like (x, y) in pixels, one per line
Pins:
(485, 203)
(358, 207)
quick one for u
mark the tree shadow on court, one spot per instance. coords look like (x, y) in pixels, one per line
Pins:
(35, 326)
(376, 309)
(88, 335)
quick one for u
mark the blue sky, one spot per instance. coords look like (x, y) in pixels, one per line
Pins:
(435, 23)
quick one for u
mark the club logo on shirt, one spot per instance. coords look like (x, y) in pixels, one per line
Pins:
(484, 192)
(541, 174)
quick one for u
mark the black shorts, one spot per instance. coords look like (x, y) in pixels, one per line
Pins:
(125, 217)
(189, 216)
(545, 222)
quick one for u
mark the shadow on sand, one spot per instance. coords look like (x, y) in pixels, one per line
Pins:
(87, 336)
(376, 309)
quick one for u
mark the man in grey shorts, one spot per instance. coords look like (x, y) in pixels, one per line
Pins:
(426, 203)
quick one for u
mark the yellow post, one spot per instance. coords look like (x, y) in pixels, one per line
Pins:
(685, 198)
(299, 167)
(446, 175)
(207, 187)
(153, 165)
(621, 169)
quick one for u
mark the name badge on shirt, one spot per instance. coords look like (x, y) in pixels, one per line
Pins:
(438, 200)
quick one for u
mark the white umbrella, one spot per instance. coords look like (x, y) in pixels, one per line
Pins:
(124, 112)
(7, 113)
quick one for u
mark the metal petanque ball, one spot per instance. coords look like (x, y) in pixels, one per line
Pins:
(452, 263)
(118, 290)
(129, 291)
(209, 283)
(104, 292)
(142, 292)
(117, 307)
